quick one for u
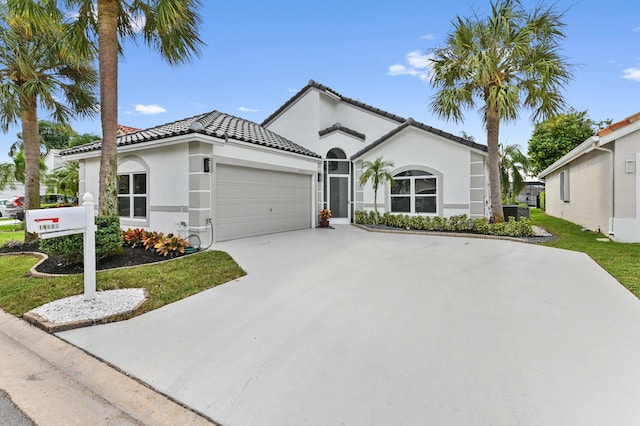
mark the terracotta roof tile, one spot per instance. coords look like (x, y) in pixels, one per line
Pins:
(619, 125)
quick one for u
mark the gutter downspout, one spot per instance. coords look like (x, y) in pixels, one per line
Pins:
(611, 180)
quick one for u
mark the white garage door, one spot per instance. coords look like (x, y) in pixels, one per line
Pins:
(253, 202)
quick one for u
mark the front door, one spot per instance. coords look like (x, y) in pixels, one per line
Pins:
(337, 183)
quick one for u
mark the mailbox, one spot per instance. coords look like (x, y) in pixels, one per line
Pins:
(56, 221)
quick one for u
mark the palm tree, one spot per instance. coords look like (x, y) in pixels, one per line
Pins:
(377, 173)
(40, 67)
(169, 26)
(508, 61)
(514, 166)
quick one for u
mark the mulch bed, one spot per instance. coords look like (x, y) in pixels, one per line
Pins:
(56, 265)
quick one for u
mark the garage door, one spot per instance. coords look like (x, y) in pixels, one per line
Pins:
(253, 202)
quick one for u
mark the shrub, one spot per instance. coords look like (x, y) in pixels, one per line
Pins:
(70, 247)
(133, 237)
(461, 223)
(543, 201)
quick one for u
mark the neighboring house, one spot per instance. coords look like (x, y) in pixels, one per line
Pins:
(251, 179)
(597, 184)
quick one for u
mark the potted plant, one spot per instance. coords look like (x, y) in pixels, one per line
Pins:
(324, 215)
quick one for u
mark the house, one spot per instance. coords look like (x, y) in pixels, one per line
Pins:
(247, 179)
(596, 184)
(435, 173)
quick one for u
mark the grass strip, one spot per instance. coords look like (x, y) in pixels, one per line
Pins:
(621, 260)
(165, 282)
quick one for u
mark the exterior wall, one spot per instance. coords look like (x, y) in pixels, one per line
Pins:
(450, 161)
(316, 111)
(626, 148)
(589, 192)
(180, 194)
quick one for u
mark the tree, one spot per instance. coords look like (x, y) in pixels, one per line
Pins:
(556, 136)
(506, 62)
(64, 180)
(377, 173)
(514, 167)
(169, 26)
(40, 67)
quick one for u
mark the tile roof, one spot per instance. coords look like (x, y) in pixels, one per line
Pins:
(619, 125)
(339, 127)
(125, 129)
(323, 88)
(214, 124)
(416, 124)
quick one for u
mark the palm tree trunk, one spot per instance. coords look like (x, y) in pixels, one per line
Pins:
(108, 62)
(493, 133)
(31, 141)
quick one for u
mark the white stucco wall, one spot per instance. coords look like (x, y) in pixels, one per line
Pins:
(626, 148)
(590, 192)
(415, 148)
(168, 176)
(315, 111)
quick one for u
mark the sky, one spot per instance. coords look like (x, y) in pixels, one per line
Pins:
(258, 54)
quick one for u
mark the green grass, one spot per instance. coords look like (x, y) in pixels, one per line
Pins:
(621, 260)
(165, 282)
(9, 234)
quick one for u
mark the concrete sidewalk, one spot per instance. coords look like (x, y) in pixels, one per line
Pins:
(55, 383)
(346, 327)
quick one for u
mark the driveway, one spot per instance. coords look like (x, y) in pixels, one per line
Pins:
(346, 327)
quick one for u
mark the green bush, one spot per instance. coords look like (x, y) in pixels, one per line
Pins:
(461, 223)
(70, 247)
(543, 201)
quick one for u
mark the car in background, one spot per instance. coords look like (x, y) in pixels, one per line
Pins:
(3, 207)
(16, 207)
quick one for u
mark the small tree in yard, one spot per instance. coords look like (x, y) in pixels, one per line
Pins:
(377, 173)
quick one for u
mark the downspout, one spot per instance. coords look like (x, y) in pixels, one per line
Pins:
(611, 180)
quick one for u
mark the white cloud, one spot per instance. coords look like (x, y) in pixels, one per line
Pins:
(428, 37)
(635, 29)
(631, 74)
(245, 109)
(293, 90)
(148, 109)
(418, 65)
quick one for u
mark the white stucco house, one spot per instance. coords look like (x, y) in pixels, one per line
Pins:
(596, 185)
(252, 179)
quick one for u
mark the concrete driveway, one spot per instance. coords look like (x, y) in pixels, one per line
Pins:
(346, 327)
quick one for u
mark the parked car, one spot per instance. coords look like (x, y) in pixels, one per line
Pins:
(15, 205)
(3, 207)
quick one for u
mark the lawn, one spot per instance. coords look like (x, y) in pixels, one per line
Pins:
(11, 231)
(165, 282)
(621, 260)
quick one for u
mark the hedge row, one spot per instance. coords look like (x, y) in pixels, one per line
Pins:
(460, 223)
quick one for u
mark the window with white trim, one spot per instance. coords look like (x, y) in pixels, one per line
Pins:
(132, 195)
(414, 191)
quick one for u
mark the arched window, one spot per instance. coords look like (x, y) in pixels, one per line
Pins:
(414, 191)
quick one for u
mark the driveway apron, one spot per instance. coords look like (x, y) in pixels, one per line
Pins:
(346, 327)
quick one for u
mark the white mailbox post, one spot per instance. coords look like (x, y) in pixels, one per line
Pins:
(49, 223)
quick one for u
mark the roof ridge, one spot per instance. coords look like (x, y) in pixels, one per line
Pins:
(312, 84)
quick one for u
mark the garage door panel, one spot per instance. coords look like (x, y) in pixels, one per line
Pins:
(253, 202)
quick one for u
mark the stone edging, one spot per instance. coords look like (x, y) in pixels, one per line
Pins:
(440, 234)
(50, 327)
(32, 272)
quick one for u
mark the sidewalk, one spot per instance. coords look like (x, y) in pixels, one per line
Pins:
(55, 383)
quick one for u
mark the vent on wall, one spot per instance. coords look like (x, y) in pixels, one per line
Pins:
(630, 166)
(564, 186)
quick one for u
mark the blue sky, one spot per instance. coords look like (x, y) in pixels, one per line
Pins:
(259, 54)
